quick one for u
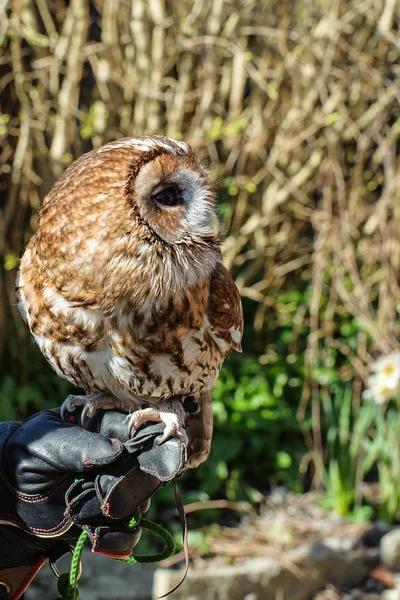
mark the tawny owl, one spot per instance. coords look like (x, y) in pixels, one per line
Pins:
(123, 286)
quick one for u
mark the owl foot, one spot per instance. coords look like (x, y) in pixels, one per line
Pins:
(91, 403)
(172, 421)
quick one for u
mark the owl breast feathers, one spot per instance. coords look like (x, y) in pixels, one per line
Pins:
(123, 286)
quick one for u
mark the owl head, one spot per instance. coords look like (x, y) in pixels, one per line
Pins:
(172, 192)
(135, 217)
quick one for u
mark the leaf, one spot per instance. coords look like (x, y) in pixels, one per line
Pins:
(332, 118)
(283, 460)
(10, 262)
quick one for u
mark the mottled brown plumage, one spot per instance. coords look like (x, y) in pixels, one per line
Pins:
(123, 286)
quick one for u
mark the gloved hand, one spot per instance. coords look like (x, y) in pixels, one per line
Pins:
(57, 479)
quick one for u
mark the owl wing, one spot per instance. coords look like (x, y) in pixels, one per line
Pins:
(225, 316)
(199, 430)
(224, 309)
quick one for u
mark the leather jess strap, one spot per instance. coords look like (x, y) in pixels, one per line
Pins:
(182, 517)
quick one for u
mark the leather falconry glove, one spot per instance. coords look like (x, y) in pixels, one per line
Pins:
(57, 479)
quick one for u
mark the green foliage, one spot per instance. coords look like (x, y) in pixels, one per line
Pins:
(92, 120)
(221, 129)
(4, 120)
(385, 443)
(257, 439)
(19, 401)
(359, 442)
(255, 427)
(10, 262)
(28, 384)
(348, 455)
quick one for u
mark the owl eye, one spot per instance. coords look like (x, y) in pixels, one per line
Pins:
(168, 196)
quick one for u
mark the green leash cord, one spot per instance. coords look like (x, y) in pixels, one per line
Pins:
(68, 582)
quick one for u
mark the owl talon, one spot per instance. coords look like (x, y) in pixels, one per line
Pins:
(90, 404)
(70, 404)
(88, 411)
(134, 422)
(170, 431)
(171, 421)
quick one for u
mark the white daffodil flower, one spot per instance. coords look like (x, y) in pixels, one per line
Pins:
(388, 365)
(384, 383)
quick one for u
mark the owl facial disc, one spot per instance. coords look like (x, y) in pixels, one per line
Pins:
(175, 198)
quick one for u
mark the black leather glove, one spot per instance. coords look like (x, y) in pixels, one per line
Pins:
(57, 479)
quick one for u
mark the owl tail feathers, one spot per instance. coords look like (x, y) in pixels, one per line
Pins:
(199, 428)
